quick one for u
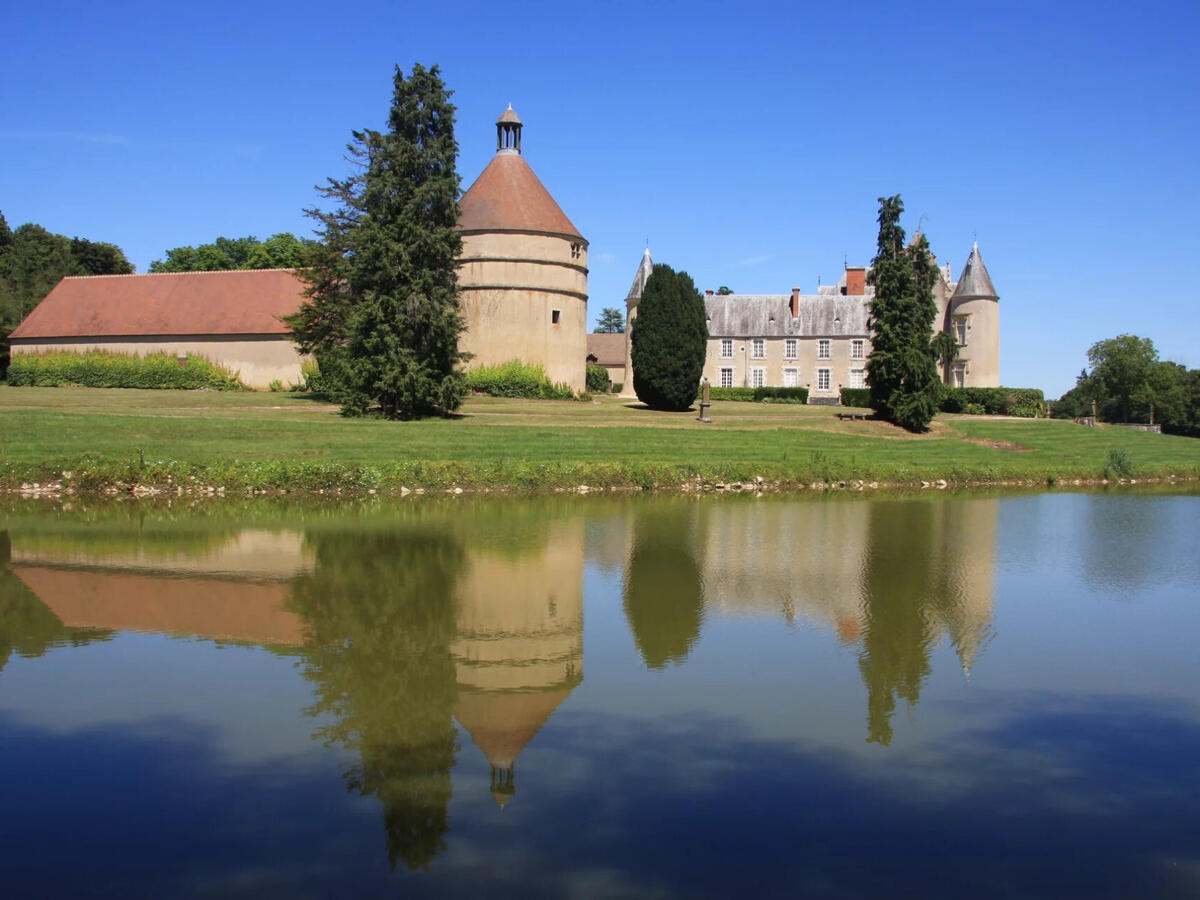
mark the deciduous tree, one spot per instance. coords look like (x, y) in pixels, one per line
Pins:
(280, 251)
(902, 370)
(1121, 369)
(382, 311)
(669, 338)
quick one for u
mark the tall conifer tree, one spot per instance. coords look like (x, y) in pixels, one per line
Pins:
(382, 311)
(668, 340)
(902, 369)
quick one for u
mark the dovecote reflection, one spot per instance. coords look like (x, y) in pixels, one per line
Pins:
(431, 614)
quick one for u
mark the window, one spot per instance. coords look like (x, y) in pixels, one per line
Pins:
(555, 314)
(726, 348)
(758, 377)
(726, 376)
(822, 379)
(960, 330)
(790, 379)
(789, 348)
(576, 251)
(758, 348)
(823, 349)
(960, 375)
(856, 348)
(856, 379)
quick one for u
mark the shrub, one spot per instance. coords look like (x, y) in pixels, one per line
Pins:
(101, 368)
(311, 378)
(860, 397)
(998, 401)
(761, 394)
(669, 339)
(516, 379)
(598, 381)
(618, 386)
(275, 386)
(1119, 463)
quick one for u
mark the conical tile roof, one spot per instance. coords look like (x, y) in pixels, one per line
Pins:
(975, 282)
(645, 268)
(507, 196)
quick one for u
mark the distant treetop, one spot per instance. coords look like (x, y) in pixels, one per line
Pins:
(280, 251)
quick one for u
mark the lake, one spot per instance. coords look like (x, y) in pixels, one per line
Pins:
(929, 696)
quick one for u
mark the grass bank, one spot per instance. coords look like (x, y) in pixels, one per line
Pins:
(97, 440)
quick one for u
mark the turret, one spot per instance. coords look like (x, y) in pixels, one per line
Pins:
(644, 269)
(973, 317)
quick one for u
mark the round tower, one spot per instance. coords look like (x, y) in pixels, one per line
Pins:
(645, 269)
(973, 317)
(523, 269)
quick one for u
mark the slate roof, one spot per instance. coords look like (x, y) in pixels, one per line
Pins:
(645, 269)
(507, 196)
(769, 315)
(205, 303)
(609, 349)
(975, 281)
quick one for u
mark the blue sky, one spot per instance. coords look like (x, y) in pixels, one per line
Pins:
(747, 142)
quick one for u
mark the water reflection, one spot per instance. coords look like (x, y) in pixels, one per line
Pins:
(444, 643)
(518, 651)
(27, 626)
(379, 610)
(928, 572)
(663, 589)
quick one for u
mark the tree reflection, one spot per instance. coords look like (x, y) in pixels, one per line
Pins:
(928, 572)
(27, 626)
(381, 612)
(664, 593)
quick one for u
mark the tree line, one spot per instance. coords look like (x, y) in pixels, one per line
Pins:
(1127, 382)
(33, 260)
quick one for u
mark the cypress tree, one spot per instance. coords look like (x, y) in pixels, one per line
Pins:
(902, 369)
(382, 311)
(669, 337)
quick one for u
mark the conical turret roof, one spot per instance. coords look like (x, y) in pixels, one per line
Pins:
(507, 196)
(645, 268)
(975, 282)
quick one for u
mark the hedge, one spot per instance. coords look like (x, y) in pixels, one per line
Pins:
(516, 379)
(1028, 403)
(597, 379)
(102, 368)
(759, 394)
(860, 397)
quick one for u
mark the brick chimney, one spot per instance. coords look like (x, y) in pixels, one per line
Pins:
(856, 281)
(795, 302)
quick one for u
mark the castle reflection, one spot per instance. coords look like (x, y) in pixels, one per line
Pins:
(473, 613)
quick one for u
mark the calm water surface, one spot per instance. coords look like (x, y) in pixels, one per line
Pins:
(933, 697)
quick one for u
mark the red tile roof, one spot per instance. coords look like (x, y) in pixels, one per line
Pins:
(237, 302)
(507, 196)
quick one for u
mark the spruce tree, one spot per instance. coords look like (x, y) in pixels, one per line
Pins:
(669, 337)
(382, 312)
(902, 369)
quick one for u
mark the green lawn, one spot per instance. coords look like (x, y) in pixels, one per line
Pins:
(289, 440)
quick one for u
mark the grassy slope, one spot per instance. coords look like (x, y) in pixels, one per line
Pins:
(280, 440)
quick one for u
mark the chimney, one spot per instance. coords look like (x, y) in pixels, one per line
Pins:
(856, 281)
(795, 302)
(708, 293)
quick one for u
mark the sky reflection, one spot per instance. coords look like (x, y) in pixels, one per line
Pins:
(671, 697)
